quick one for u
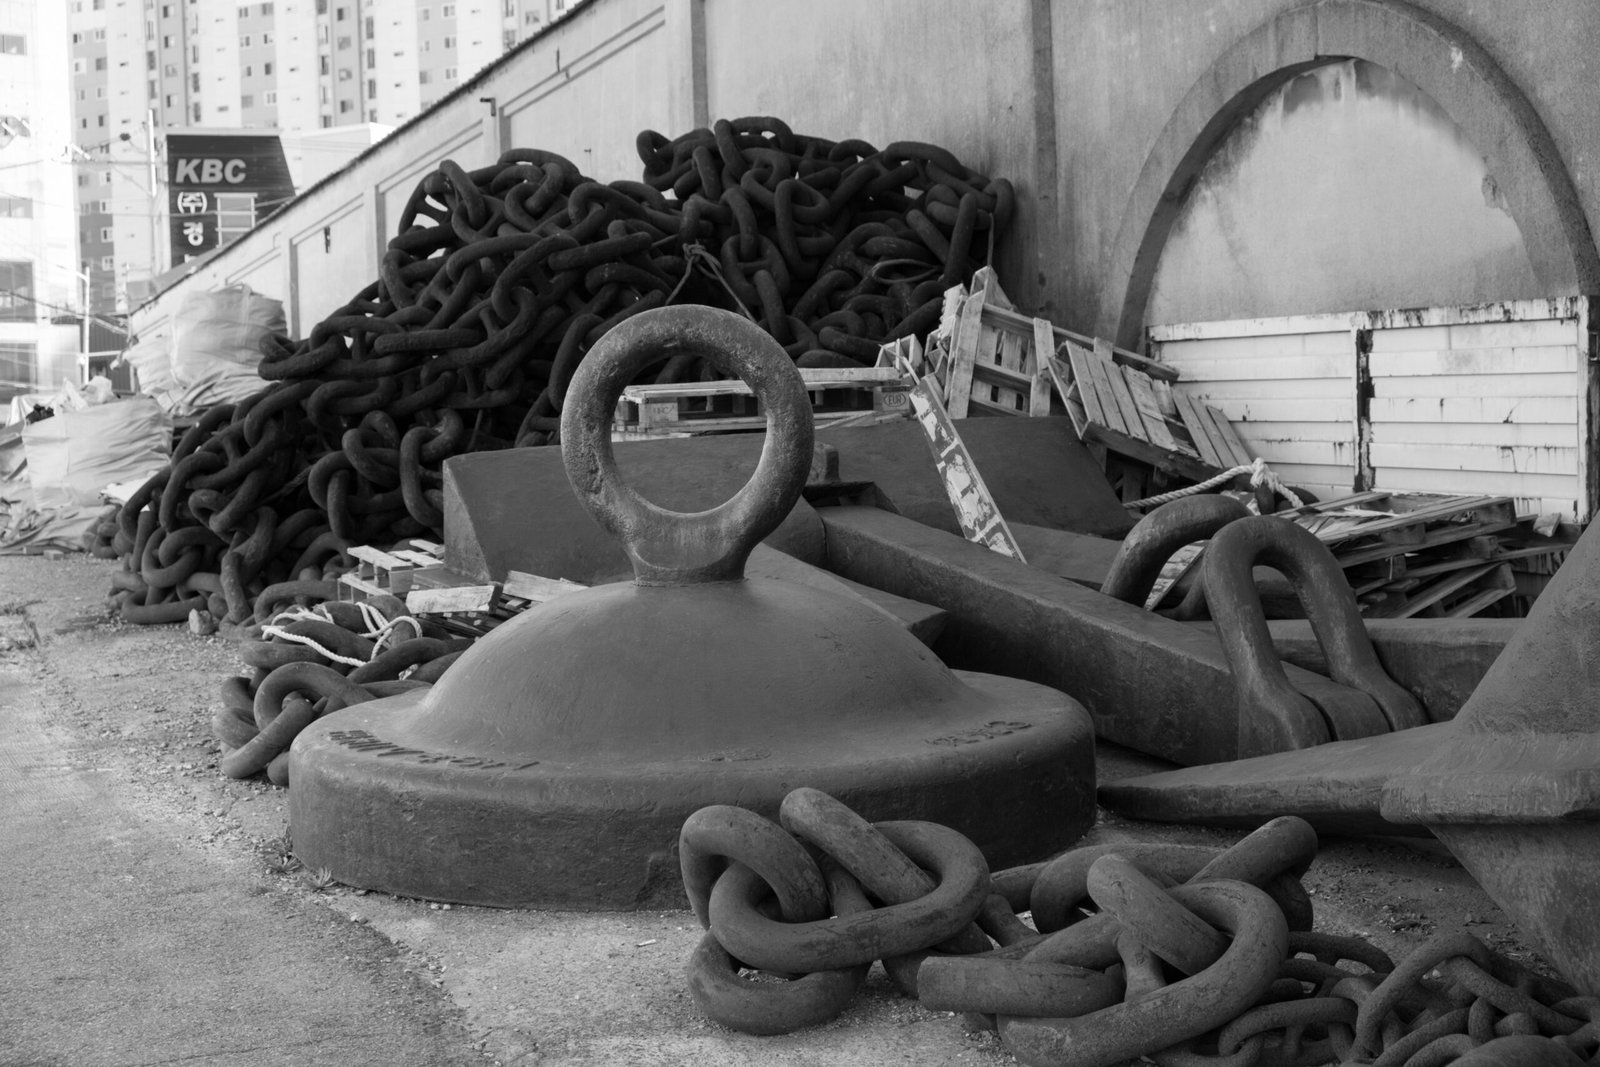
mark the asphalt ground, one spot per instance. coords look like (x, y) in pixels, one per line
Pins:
(153, 912)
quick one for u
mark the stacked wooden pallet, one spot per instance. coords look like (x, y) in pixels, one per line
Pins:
(1147, 431)
(1411, 554)
(837, 394)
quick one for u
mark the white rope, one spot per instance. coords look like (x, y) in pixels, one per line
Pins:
(1260, 474)
(300, 639)
(381, 630)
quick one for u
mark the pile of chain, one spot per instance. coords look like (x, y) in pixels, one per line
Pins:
(1190, 956)
(308, 661)
(498, 282)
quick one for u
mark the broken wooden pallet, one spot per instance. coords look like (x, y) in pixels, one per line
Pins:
(1411, 554)
(704, 407)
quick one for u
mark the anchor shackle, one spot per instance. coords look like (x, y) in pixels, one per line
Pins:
(674, 547)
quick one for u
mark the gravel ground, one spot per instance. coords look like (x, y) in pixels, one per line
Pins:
(125, 714)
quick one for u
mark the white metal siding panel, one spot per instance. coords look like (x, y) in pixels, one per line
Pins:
(1485, 407)
(1290, 396)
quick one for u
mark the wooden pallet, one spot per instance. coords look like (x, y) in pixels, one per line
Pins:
(837, 393)
(1411, 554)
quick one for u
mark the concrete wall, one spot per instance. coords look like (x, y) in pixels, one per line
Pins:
(1102, 112)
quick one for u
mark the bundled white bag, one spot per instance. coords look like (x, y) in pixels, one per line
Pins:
(75, 454)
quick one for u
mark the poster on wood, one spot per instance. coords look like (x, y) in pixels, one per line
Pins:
(976, 511)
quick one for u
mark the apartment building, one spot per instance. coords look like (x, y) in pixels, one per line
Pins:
(330, 77)
(41, 285)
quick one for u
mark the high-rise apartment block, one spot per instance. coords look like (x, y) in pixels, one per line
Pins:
(352, 68)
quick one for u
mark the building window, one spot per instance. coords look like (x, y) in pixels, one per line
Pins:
(372, 58)
(166, 11)
(15, 44)
(270, 96)
(196, 112)
(249, 71)
(105, 177)
(372, 86)
(266, 9)
(19, 362)
(194, 83)
(16, 291)
(531, 18)
(16, 207)
(322, 7)
(83, 94)
(153, 91)
(99, 92)
(79, 66)
(247, 100)
(339, 14)
(105, 233)
(427, 46)
(327, 120)
(425, 14)
(266, 69)
(77, 38)
(107, 263)
(166, 40)
(323, 65)
(345, 74)
(100, 34)
(105, 207)
(424, 77)
(449, 42)
(508, 39)
(449, 74)
(370, 26)
(170, 70)
(372, 114)
(149, 61)
(100, 120)
(344, 42)
(244, 40)
(83, 180)
(448, 11)
(346, 106)
(266, 38)
(169, 101)
(99, 61)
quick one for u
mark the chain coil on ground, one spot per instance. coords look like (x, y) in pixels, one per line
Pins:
(1184, 955)
(309, 661)
(497, 283)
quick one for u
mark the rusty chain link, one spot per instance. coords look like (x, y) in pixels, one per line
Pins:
(1173, 953)
(497, 282)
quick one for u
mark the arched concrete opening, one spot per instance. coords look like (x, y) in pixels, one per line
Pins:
(1531, 182)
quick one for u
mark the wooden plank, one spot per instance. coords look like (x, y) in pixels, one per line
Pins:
(1199, 429)
(537, 588)
(1067, 390)
(1094, 410)
(1137, 448)
(1287, 368)
(1502, 409)
(1108, 373)
(451, 598)
(1144, 398)
(1044, 343)
(963, 353)
(1478, 601)
(1039, 394)
(1123, 356)
(1227, 437)
(1435, 591)
(1382, 550)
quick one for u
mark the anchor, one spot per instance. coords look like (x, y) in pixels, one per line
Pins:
(555, 762)
(1511, 785)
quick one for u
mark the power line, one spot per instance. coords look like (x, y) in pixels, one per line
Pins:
(107, 323)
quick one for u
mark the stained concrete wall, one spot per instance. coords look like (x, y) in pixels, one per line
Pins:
(1102, 112)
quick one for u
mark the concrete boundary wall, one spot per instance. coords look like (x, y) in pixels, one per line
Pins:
(1099, 111)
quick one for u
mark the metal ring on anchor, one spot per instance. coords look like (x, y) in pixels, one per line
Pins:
(672, 547)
